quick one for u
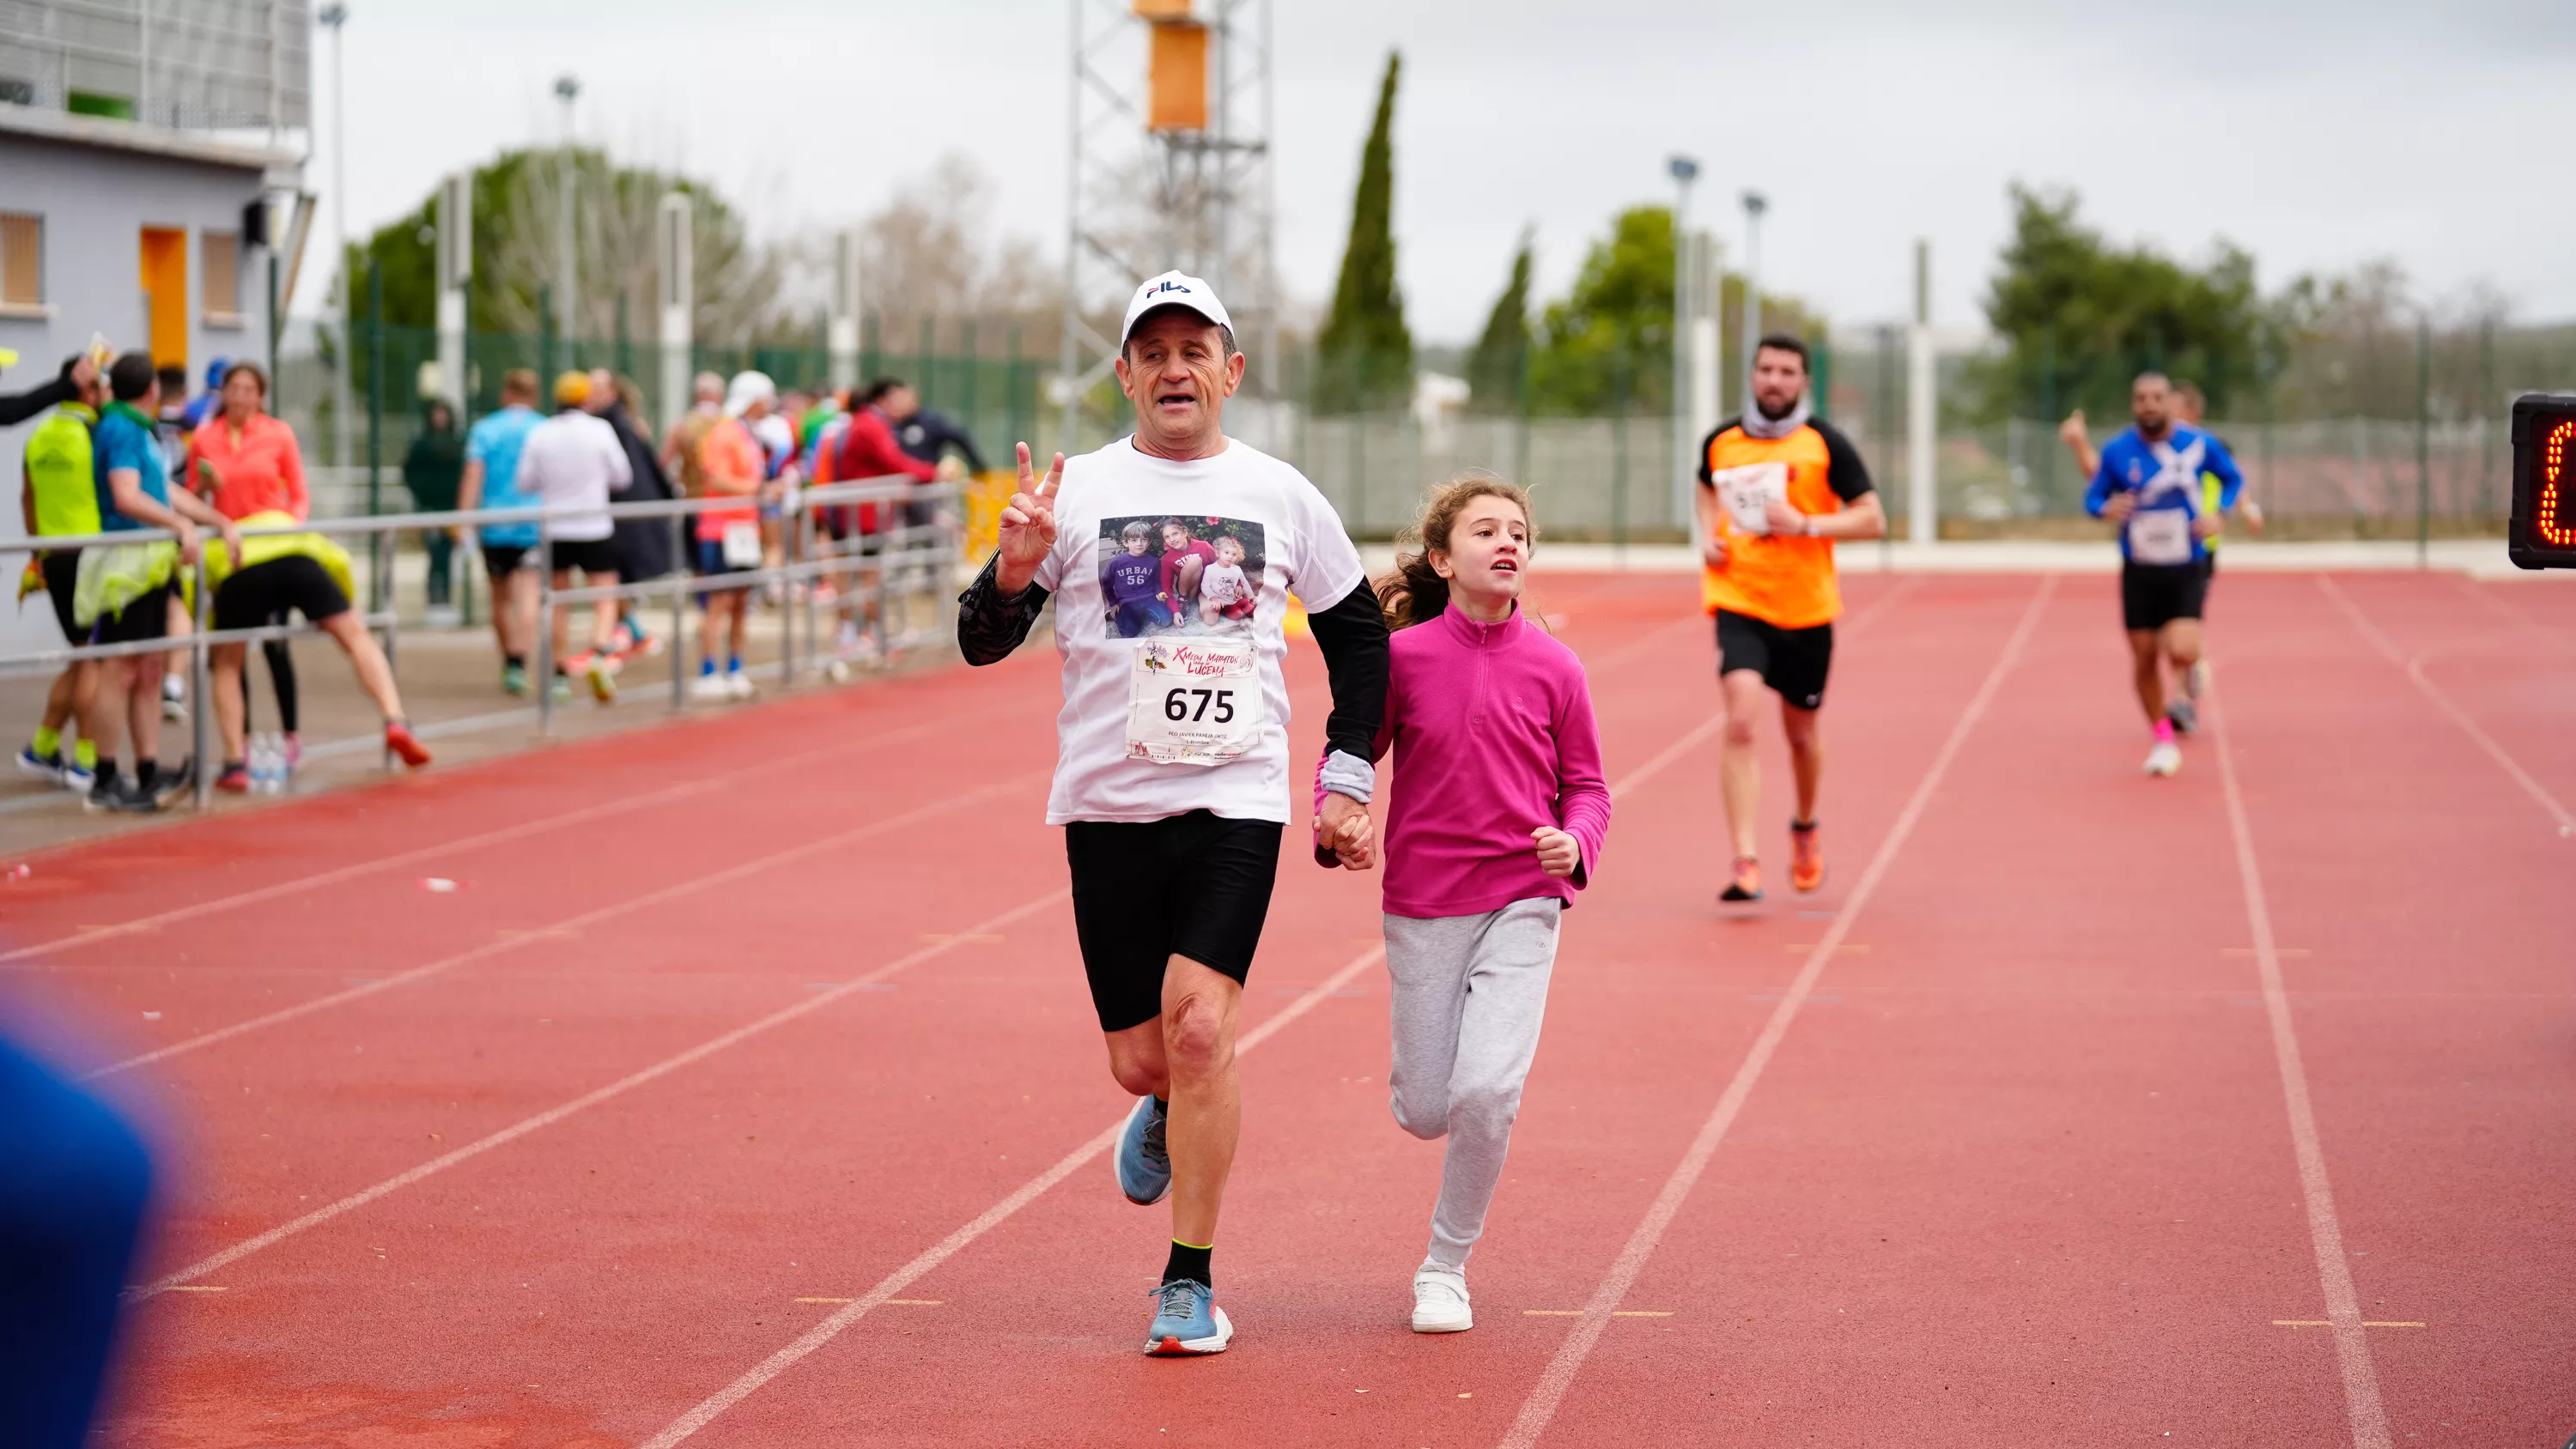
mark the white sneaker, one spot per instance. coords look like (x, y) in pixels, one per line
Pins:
(738, 685)
(1440, 1302)
(2165, 758)
(709, 689)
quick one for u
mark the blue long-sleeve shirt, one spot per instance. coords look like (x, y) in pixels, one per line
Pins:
(2165, 476)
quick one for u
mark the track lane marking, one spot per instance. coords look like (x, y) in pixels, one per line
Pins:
(585, 1101)
(2325, 1230)
(89, 935)
(558, 930)
(753, 1379)
(2414, 668)
(1558, 1377)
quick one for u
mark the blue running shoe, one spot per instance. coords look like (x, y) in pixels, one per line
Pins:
(1187, 1321)
(1144, 1165)
(48, 766)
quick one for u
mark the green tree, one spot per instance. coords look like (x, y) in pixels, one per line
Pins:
(1494, 367)
(2080, 317)
(1364, 356)
(1610, 336)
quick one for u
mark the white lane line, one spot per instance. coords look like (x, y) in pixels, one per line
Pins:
(2325, 1231)
(984, 1222)
(1028, 1192)
(1558, 1376)
(2478, 593)
(521, 831)
(584, 1102)
(2415, 671)
(569, 923)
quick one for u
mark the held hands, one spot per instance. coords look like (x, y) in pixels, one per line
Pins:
(1784, 521)
(1028, 530)
(1342, 826)
(1558, 852)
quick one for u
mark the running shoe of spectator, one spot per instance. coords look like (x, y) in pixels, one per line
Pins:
(293, 754)
(119, 795)
(169, 785)
(601, 675)
(710, 688)
(76, 779)
(514, 679)
(234, 778)
(738, 684)
(405, 745)
(47, 766)
(1187, 1321)
(174, 699)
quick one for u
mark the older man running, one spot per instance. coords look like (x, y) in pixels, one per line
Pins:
(1172, 766)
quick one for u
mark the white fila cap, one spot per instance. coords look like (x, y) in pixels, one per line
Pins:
(1172, 289)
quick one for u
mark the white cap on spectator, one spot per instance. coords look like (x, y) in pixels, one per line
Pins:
(749, 388)
(1173, 289)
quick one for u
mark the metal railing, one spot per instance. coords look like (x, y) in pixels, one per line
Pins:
(913, 557)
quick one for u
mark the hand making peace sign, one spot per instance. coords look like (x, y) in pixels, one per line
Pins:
(1028, 526)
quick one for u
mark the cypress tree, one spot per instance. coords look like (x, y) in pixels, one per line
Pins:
(1494, 368)
(1364, 357)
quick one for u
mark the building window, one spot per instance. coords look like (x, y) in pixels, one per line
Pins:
(219, 253)
(22, 260)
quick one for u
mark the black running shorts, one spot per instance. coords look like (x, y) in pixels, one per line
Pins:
(1195, 885)
(2154, 595)
(500, 560)
(146, 618)
(61, 569)
(264, 592)
(1792, 661)
(590, 555)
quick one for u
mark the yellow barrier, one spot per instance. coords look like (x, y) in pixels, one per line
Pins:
(983, 497)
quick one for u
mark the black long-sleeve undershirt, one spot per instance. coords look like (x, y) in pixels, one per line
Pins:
(1352, 634)
(18, 407)
(990, 626)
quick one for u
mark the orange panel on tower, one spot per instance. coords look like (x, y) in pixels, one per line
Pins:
(1161, 9)
(1176, 77)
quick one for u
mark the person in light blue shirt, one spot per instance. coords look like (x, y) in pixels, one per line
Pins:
(2149, 483)
(491, 480)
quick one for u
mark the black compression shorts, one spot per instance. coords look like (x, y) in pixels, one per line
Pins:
(264, 592)
(1195, 885)
(1793, 661)
(62, 575)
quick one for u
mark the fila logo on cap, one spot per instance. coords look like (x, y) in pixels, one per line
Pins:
(1173, 289)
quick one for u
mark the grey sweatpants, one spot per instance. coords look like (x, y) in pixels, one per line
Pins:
(1469, 992)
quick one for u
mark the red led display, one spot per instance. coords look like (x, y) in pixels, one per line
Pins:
(2543, 531)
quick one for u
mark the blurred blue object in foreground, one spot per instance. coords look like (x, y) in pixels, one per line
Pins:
(74, 1183)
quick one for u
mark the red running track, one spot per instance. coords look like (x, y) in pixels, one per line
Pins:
(745, 1091)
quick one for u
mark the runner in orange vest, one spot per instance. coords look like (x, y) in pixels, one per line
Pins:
(1777, 487)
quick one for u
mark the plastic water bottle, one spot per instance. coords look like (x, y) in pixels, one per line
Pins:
(267, 765)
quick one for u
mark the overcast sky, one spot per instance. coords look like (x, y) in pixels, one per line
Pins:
(2318, 135)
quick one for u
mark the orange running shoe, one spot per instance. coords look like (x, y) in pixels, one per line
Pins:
(406, 745)
(1747, 884)
(1806, 856)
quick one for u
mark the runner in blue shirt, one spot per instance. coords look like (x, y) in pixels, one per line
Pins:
(2149, 484)
(491, 480)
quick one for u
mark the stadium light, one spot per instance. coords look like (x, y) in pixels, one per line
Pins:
(567, 279)
(1684, 170)
(1755, 203)
(332, 17)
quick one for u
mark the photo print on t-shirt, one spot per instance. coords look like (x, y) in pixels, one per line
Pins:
(1187, 574)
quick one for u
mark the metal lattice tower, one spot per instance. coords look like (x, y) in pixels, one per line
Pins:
(1169, 166)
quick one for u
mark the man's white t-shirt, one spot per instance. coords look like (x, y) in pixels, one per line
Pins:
(573, 461)
(1109, 602)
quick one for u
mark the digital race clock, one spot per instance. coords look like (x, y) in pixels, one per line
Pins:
(2543, 532)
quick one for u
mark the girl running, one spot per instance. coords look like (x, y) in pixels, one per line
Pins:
(1497, 819)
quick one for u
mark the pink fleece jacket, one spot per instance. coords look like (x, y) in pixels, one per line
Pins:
(1491, 725)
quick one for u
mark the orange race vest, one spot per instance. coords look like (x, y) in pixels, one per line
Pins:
(1784, 581)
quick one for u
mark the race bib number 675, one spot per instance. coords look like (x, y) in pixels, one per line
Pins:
(1193, 701)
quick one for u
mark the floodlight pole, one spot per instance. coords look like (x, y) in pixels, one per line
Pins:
(841, 334)
(567, 262)
(675, 261)
(1686, 307)
(1754, 205)
(1923, 520)
(332, 17)
(455, 270)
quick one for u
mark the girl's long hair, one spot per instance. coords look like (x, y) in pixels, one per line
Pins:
(1415, 593)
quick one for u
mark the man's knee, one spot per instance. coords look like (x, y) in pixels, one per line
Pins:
(1419, 1113)
(1739, 727)
(1195, 1040)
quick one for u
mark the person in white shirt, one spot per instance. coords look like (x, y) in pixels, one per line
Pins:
(572, 464)
(1172, 772)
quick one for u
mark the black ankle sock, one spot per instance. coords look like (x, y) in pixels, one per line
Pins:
(1188, 1262)
(147, 773)
(106, 770)
(515, 661)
